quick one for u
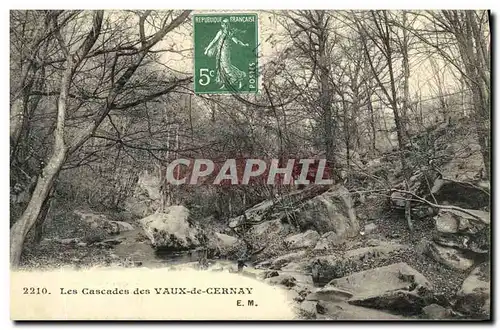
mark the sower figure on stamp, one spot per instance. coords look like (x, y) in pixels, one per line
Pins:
(220, 47)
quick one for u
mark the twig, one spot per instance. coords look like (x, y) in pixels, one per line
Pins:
(444, 207)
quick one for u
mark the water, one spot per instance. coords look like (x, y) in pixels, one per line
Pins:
(175, 257)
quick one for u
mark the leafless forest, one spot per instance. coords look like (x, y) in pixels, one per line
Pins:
(397, 102)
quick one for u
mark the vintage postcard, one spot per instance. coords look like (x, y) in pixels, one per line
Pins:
(324, 165)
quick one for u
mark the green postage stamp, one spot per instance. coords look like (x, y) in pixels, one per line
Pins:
(225, 53)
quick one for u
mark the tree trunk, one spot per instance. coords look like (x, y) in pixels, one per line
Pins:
(39, 225)
(49, 174)
(22, 226)
(372, 122)
(329, 124)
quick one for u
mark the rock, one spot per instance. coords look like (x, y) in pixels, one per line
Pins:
(333, 266)
(258, 212)
(474, 296)
(271, 231)
(308, 309)
(327, 241)
(463, 231)
(299, 293)
(303, 280)
(302, 292)
(285, 280)
(446, 222)
(419, 212)
(271, 273)
(321, 308)
(398, 199)
(309, 209)
(223, 245)
(436, 312)
(454, 221)
(290, 280)
(265, 216)
(300, 266)
(263, 264)
(402, 301)
(478, 243)
(101, 222)
(302, 240)
(449, 256)
(347, 312)
(226, 240)
(330, 211)
(287, 258)
(461, 194)
(396, 287)
(171, 230)
(329, 293)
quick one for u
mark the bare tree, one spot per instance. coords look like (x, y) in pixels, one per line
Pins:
(76, 58)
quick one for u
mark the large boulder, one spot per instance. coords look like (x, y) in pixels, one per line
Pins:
(326, 268)
(474, 297)
(171, 229)
(461, 180)
(316, 208)
(396, 287)
(333, 211)
(311, 208)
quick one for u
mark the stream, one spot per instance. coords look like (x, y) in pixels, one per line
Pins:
(142, 252)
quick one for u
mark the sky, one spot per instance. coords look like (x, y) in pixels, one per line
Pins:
(421, 80)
